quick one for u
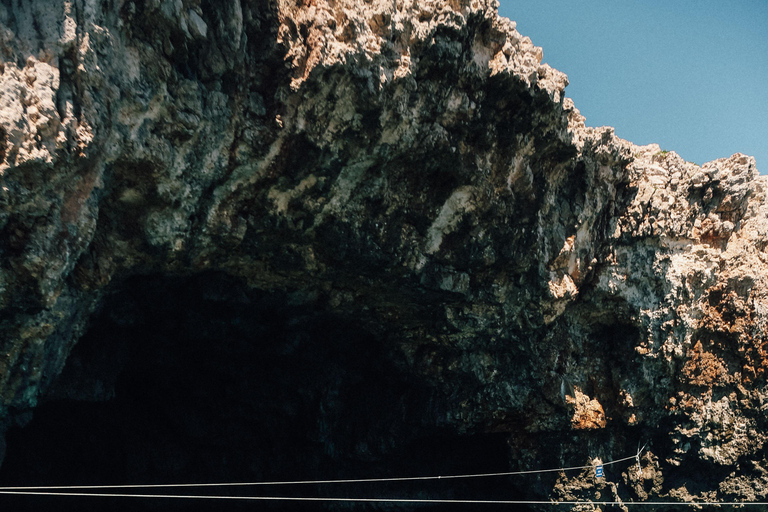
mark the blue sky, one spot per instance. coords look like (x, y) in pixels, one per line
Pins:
(689, 75)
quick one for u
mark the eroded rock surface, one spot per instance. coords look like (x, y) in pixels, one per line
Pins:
(414, 168)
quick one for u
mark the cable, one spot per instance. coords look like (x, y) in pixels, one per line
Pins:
(49, 491)
(391, 500)
(309, 482)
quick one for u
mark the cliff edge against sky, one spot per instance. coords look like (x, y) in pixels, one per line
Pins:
(410, 170)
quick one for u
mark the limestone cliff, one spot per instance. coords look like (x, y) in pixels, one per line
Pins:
(408, 170)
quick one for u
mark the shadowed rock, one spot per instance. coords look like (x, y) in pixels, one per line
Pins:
(392, 209)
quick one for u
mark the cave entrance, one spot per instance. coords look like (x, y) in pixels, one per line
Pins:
(202, 379)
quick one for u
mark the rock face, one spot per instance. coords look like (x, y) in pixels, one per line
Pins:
(385, 223)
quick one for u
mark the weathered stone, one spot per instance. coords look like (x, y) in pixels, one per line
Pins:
(411, 166)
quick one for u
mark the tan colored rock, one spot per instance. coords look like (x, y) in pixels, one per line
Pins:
(588, 413)
(410, 165)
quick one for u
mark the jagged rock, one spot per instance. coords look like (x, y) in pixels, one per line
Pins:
(409, 166)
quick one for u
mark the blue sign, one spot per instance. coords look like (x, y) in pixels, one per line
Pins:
(599, 471)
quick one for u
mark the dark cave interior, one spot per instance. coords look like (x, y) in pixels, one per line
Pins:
(202, 379)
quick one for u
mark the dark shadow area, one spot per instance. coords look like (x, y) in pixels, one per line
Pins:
(201, 379)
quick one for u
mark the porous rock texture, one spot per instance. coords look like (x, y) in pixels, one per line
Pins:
(409, 168)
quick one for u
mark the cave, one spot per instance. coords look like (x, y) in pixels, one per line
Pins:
(193, 379)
